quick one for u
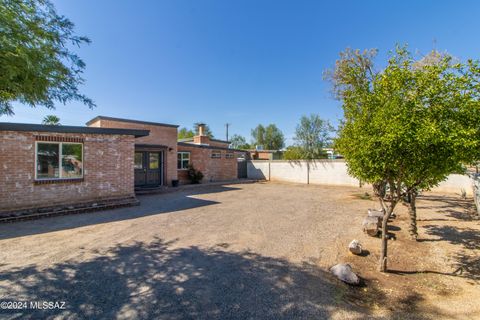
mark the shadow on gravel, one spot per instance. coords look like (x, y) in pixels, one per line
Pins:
(149, 205)
(152, 281)
(453, 207)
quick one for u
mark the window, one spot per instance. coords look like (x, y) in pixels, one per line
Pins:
(216, 154)
(154, 160)
(138, 160)
(183, 160)
(229, 155)
(59, 160)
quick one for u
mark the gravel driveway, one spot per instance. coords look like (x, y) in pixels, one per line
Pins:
(243, 251)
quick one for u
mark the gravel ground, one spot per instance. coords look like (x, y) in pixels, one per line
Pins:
(244, 251)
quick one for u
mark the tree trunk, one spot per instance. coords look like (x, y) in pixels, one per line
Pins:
(412, 212)
(383, 253)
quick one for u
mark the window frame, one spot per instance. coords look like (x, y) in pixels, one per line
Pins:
(216, 152)
(60, 154)
(182, 159)
(229, 155)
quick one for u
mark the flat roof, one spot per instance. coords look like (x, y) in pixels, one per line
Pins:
(10, 126)
(211, 139)
(204, 146)
(131, 121)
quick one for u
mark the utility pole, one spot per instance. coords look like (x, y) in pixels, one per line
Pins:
(226, 126)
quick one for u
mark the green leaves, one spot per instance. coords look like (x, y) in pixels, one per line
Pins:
(415, 122)
(270, 137)
(36, 66)
(311, 136)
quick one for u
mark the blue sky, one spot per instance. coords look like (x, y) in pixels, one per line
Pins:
(243, 62)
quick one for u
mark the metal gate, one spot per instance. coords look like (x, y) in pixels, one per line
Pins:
(242, 168)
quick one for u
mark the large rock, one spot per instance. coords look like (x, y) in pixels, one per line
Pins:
(343, 271)
(376, 213)
(355, 247)
(371, 225)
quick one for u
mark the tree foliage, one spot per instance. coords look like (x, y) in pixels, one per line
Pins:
(311, 136)
(51, 120)
(239, 142)
(37, 67)
(407, 126)
(185, 133)
(270, 137)
(208, 132)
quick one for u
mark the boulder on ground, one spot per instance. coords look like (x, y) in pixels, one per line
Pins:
(355, 247)
(376, 213)
(371, 225)
(343, 271)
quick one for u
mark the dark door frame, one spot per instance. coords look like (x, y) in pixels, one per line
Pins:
(145, 166)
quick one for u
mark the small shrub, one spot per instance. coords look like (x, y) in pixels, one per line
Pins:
(194, 175)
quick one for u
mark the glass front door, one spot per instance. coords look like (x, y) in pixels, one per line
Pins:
(148, 168)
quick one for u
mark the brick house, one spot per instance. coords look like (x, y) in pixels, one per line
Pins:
(44, 166)
(155, 155)
(212, 157)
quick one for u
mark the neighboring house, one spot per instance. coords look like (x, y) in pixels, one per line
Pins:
(265, 154)
(46, 166)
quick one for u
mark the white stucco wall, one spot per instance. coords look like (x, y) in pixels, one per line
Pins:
(332, 172)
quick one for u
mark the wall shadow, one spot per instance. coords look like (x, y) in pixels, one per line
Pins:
(149, 205)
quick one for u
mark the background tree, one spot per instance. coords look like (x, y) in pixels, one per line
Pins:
(258, 136)
(407, 127)
(37, 67)
(270, 137)
(185, 133)
(238, 142)
(207, 132)
(312, 135)
(293, 153)
(51, 120)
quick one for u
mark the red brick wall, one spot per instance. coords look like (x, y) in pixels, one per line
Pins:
(161, 135)
(212, 169)
(108, 171)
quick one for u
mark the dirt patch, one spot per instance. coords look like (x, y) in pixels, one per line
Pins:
(245, 251)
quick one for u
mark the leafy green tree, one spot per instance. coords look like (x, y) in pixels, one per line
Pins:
(185, 133)
(51, 120)
(407, 127)
(207, 132)
(311, 136)
(37, 67)
(258, 135)
(293, 153)
(238, 142)
(270, 137)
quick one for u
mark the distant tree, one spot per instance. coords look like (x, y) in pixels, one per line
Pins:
(311, 136)
(37, 67)
(407, 127)
(51, 120)
(238, 142)
(185, 133)
(270, 137)
(258, 135)
(293, 153)
(208, 131)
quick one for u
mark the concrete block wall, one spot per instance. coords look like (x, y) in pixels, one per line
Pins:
(333, 172)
